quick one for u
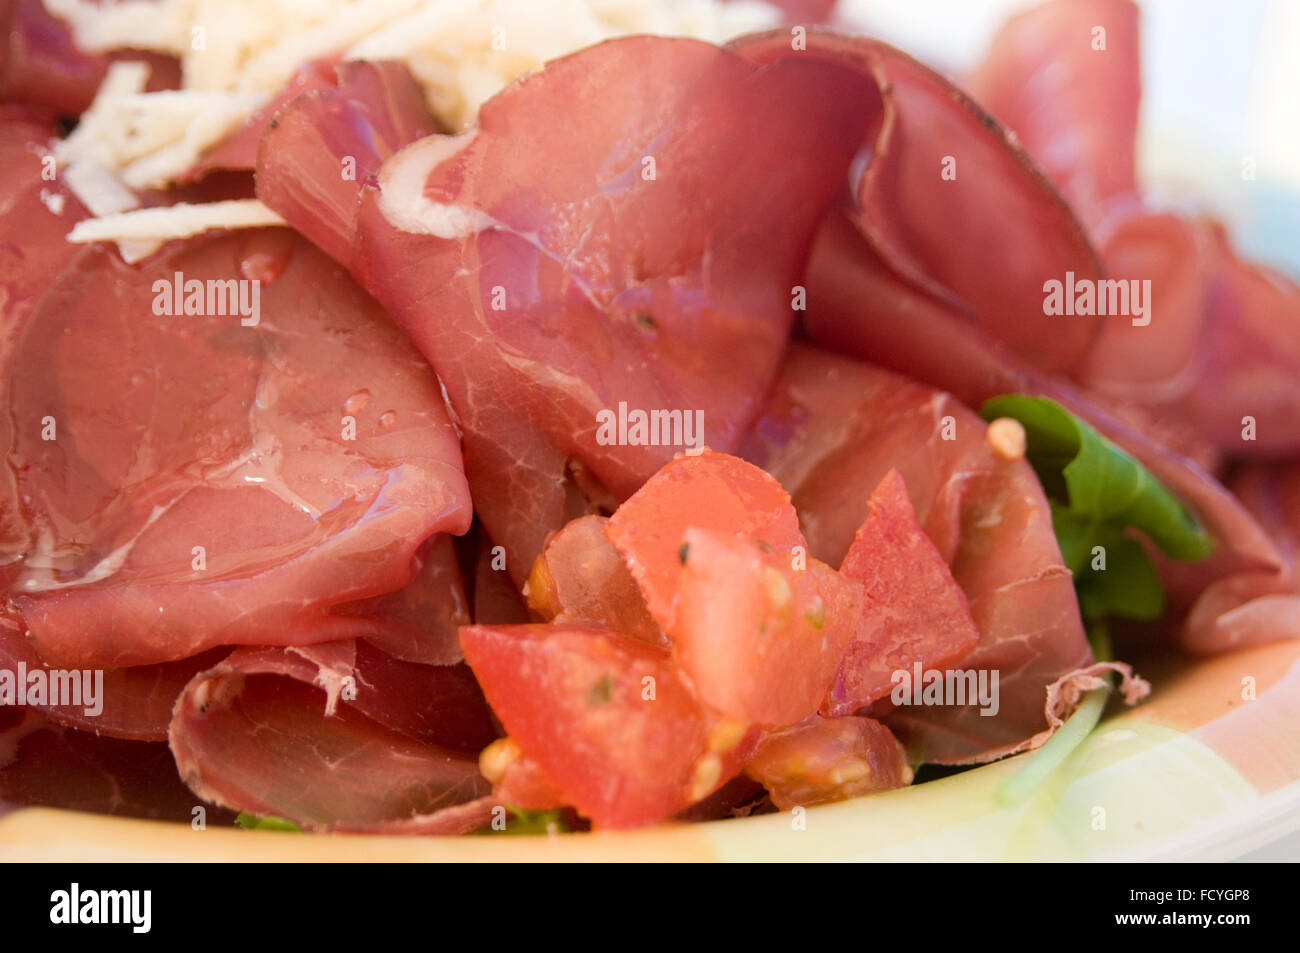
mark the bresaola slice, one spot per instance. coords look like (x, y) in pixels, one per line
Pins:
(309, 455)
(1065, 76)
(1249, 609)
(1220, 339)
(940, 191)
(41, 65)
(834, 427)
(329, 735)
(1223, 357)
(314, 156)
(46, 764)
(550, 277)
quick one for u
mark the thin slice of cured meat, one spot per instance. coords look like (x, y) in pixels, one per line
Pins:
(313, 157)
(1263, 607)
(238, 150)
(877, 287)
(328, 735)
(711, 491)
(863, 308)
(41, 65)
(1219, 341)
(39, 62)
(607, 719)
(941, 192)
(1065, 77)
(223, 477)
(760, 640)
(1221, 353)
(43, 764)
(587, 248)
(36, 211)
(132, 703)
(419, 622)
(832, 430)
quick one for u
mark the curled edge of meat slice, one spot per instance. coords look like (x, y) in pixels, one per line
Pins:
(310, 735)
(941, 192)
(1065, 76)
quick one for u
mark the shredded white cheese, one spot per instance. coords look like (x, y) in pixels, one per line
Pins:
(235, 54)
(181, 220)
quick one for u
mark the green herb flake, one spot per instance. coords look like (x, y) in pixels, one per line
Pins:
(529, 823)
(252, 822)
(682, 552)
(647, 322)
(602, 691)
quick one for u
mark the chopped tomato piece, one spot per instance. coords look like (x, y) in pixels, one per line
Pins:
(828, 759)
(526, 787)
(760, 639)
(581, 577)
(607, 719)
(709, 491)
(915, 610)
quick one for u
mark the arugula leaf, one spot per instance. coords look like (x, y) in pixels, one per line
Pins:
(528, 822)
(1099, 494)
(252, 822)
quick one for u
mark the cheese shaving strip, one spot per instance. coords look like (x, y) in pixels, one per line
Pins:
(235, 54)
(174, 221)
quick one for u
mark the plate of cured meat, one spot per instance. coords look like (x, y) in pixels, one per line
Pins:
(615, 429)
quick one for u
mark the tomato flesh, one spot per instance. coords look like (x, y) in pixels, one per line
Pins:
(581, 577)
(760, 639)
(709, 491)
(915, 610)
(607, 719)
(828, 759)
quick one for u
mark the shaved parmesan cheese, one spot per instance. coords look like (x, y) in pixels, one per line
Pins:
(181, 220)
(103, 193)
(236, 54)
